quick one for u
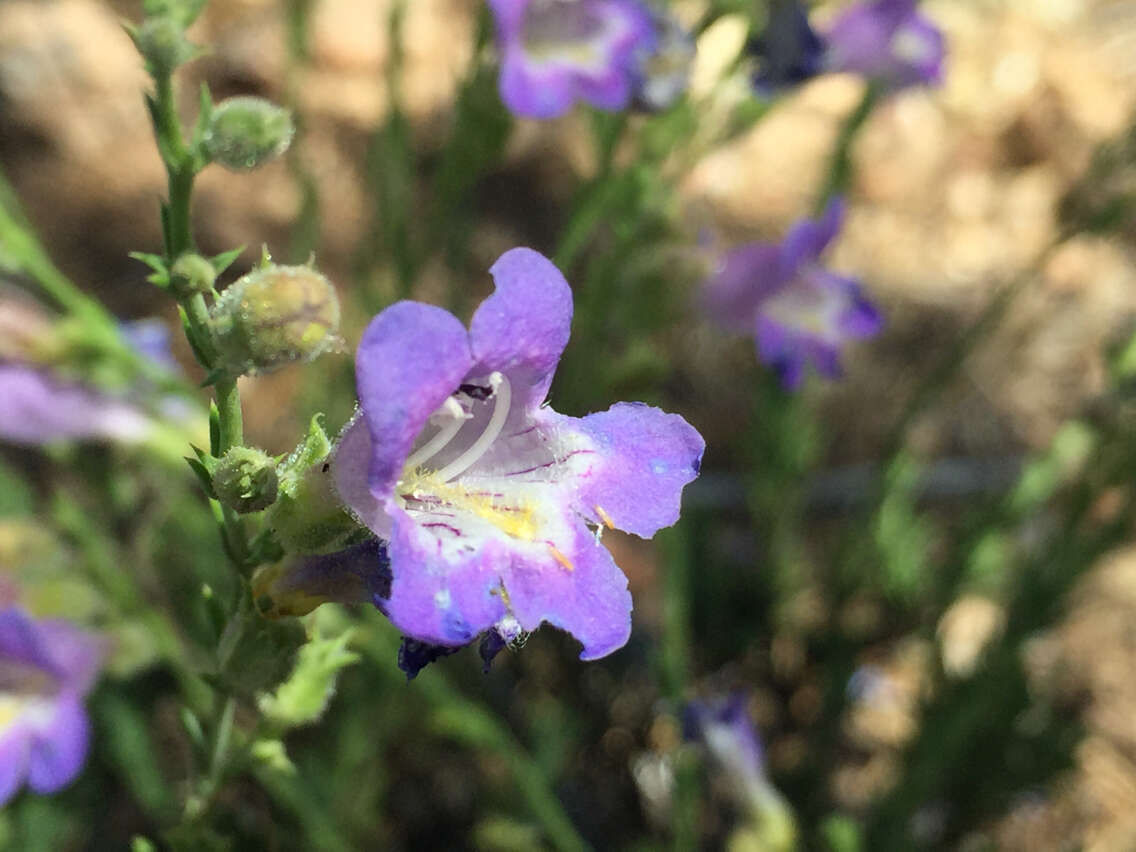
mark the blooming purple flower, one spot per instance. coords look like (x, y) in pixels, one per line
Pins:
(46, 670)
(799, 312)
(887, 41)
(555, 52)
(490, 504)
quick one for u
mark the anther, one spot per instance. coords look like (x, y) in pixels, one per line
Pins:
(564, 561)
(605, 517)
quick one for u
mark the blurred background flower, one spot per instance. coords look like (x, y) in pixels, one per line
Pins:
(46, 670)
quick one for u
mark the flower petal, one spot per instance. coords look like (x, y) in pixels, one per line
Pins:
(443, 595)
(581, 591)
(644, 457)
(609, 90)
(351, 471)
(358, 574)
(808, 239)
(411, 358)
(508, 15)
(414, 656)
(859, 319)
(75, 654)
(522, 329)
(20, 641)
(917, 48)
(783, 349)
(887, 40)
(14, 747)
(745, 278)
(532, 91)
(58, 752)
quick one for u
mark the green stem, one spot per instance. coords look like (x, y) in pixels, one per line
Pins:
(181, 169)
(675, 660)
(840, 166)
(231, 416)
(675, 673)
(592, 201)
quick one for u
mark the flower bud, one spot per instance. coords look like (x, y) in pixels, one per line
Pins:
(246, 132)
(245, 480)
(273, 316)
(161, 41)
(193, 274)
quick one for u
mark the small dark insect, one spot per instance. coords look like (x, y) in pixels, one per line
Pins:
(326, 467)
(476, 392)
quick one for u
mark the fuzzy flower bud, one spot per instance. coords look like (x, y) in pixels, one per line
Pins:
(245, 480)
(193, 274)
(273, 316)
(246, 132)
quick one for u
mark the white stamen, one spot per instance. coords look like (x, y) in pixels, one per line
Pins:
(431, 448)
(502, 397)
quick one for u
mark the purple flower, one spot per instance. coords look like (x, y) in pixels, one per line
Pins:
(723, 726)
(490, 503)
(887, 41)
(41, 405)
(724, 729)
(555, 52)
(798, 311)
(788, 50)
(46, 669)
(40, 408)
(359, 574)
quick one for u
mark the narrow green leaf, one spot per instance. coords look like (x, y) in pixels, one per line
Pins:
(214, 429)
(203, 476)
(225, 259)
